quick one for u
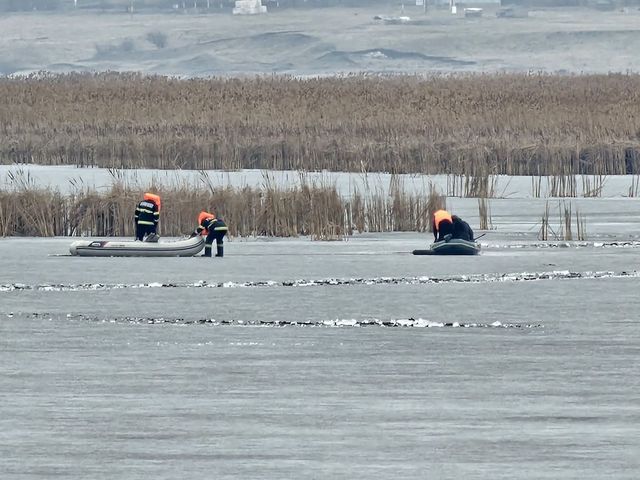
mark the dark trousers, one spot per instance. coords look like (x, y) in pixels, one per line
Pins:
(142, 230)
(218, 236)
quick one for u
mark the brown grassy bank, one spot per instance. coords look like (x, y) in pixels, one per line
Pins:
(477, 124)
(314, 210)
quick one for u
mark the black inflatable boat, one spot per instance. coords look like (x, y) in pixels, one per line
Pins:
(455, 246)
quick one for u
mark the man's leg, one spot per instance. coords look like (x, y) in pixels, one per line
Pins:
(207, 244)
(220, 244)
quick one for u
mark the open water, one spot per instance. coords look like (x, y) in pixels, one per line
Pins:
(292, 359)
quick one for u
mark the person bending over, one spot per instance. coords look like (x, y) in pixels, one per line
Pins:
(215, 229)
(441, 225)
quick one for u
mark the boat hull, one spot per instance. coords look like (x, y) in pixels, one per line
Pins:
(124, 248)
(455, 246)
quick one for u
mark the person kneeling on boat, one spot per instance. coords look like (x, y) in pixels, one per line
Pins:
(441, 225)
(147, 215)
(215, 229)
(461, 229)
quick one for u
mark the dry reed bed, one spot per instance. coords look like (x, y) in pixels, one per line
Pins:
(510, 124)
(314, 210)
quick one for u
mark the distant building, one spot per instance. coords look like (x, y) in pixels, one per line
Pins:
(249, 7)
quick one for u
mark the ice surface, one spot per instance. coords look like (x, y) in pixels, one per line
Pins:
(517, 363)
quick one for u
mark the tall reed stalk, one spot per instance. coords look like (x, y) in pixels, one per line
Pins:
(543, 234)
(634, 188)
(581, 226)
(566, 219)
(484, 212)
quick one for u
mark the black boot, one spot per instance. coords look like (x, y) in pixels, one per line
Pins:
(207, 251)
(219, 251)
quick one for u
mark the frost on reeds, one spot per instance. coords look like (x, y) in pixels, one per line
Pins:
(468, 125)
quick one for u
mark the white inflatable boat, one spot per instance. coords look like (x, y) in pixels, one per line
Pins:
(187, 247)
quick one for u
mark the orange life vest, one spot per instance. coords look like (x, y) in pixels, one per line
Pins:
(202, 216)
(439, 216)
(152, 197)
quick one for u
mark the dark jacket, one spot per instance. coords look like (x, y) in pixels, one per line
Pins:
(147, 213)
(461, 229)
(212, 226)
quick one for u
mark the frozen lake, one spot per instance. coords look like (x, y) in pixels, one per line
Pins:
(135, 368)
(70, 178)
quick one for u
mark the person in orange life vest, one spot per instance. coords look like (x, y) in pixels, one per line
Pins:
(215, 229)
(147, 215)
(441, 224)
